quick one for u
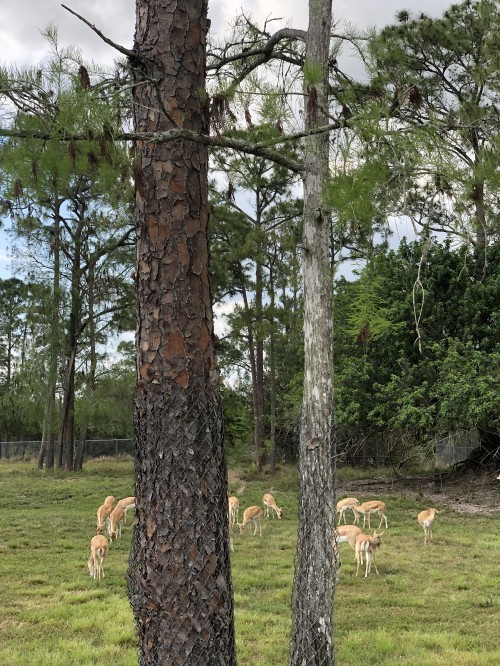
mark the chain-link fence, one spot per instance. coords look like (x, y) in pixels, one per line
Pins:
(94, 448)
(456, 447)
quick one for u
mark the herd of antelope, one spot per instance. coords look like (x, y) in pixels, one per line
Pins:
(110, 518)
(365, 545)
(252, 514)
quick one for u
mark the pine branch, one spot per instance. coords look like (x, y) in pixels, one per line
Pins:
(262, 148)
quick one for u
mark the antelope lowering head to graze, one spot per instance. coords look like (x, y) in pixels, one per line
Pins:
(98, 550)
(269, 503)
(252, 515)
(343, 505)
(426, 518)
(367, 508)
(126, 503)
(348, 534)
(103, 513)
(366, 545)
(116, 518)
(234, 508)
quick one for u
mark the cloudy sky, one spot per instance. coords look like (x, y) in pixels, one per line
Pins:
(22, 44)
(20, 21)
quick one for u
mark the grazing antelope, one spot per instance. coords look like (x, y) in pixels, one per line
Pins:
(98, 551)
(103, 513)
(269, 503)
(234, 508)
(368, 508)
(116, 519)
(126, 503)
(426, 518)
(252, 515)
(343, 505)
(368, 545)
(348, 534)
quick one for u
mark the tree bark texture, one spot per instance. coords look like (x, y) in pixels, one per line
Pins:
(179, 576)
(315, 566)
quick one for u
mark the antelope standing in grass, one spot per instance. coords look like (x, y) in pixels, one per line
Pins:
(116, 519)
(126, 504)
(426, 519)
(366, 545)
(366, 509)
(98, 551)
(269, 503)
(234, 508)
(103, 513)
(343, 505)
(252, 515)
(348, 534)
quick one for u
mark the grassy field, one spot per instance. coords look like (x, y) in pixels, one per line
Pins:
(430, 606)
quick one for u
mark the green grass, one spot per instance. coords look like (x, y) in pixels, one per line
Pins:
(430, 606)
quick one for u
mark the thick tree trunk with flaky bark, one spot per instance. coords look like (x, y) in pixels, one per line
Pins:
(312, 631)
(179, 573)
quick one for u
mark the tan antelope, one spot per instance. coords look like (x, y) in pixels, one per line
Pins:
(98, 551)
(269, 503)
(252, 515)
(348, 534)
(426, 519)
(366, 509)
(126, 504)
(366, 545)
(116, 518)
(234, 509)
(103, 513)
(343, 505)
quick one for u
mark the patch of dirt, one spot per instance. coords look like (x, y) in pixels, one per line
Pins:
(471, 493)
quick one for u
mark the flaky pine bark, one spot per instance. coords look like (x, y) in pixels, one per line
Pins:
(179, 573)
(312, 631)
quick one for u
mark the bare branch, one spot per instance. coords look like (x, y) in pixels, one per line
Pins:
(118, 47)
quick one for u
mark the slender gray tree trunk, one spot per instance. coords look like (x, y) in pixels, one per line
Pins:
(315, 567)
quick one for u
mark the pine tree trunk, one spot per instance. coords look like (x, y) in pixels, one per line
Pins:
(272, 377)
(315, 569)
(259, 366)
(54, 345)
(179, 576)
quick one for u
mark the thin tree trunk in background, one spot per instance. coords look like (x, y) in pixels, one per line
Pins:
(179, 574)
(90, 378)
(41, 453)
(54, 345)
(259, 365)
(272, 378)
(315, 567)
(253, 371)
